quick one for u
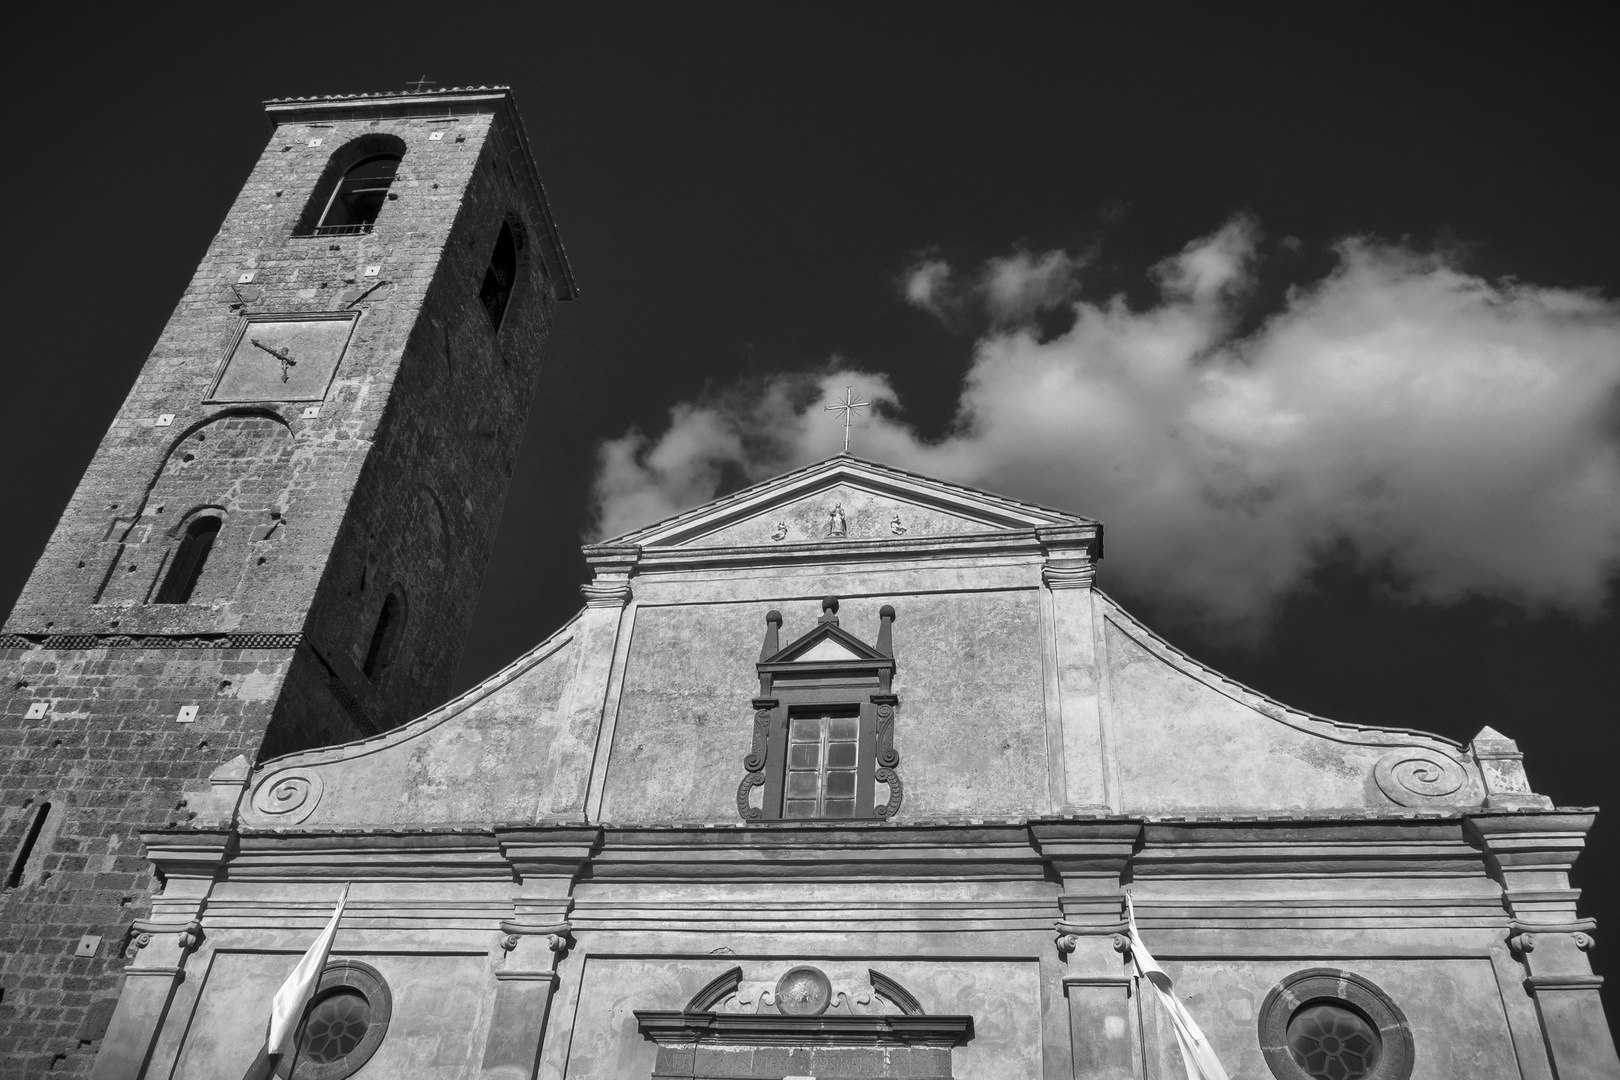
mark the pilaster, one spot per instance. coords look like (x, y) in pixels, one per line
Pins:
(546, 863)
(188, 861)
(1530, 854)
(1090, 857)
(584, 732)
(1070, 555)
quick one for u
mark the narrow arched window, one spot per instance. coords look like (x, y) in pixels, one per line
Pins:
(25, 865)
(385, 638)
(359, 196)
(500, 276)
(189, 560)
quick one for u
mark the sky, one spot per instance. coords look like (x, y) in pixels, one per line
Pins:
(1320, 317)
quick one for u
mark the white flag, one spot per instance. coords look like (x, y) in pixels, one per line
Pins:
(293, 997)
(1196, 1053)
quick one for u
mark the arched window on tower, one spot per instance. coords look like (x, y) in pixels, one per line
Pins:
(501, 275)
(189, 560)
(385, 637)
(359, 196)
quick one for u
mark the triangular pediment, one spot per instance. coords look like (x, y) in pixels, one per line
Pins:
(846, 498)
(826, 643)
(826, 650)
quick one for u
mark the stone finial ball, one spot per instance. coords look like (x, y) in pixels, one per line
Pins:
(830, 604)
(886, 611)
(774, 617)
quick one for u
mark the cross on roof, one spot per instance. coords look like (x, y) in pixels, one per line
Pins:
(418, 85)
(847, 407)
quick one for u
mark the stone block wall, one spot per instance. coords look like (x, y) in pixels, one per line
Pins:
(392, 483)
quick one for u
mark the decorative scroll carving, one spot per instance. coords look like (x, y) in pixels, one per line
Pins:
(754, 761)
(749, 782)
(1523, 941)
(802, 991)
(1413, 776)
(290, 795)
(1069, 935)
(888, 760)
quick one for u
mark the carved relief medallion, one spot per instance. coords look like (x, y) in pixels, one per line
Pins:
(803, 991)
(288, 357)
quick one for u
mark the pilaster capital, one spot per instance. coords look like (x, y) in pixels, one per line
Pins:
(548, 852)
(189, 853)
(605, 594)
(1521, 847)
(612, 566)
(1071, 554)
(1087, 849)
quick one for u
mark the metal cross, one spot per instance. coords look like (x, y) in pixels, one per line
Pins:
(848, 407)
(418, 85)
(283, 354)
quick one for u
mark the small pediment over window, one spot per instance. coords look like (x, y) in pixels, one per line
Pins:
(825, 644)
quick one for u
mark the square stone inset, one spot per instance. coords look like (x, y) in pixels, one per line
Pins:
(284, 357)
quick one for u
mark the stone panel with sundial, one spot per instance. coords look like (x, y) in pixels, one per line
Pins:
(284, 357)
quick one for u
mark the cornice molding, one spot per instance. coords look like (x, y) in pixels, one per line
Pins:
(150, 641)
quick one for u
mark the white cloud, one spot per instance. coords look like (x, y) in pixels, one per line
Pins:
(1459, 434)
(1011, 289)
(1018, 287)
(926, 285)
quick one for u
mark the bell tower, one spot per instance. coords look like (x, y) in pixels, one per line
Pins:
(281, 539)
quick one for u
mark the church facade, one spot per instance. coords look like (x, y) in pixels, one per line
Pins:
(849, 774)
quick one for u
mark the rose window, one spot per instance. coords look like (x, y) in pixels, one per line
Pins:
(336, 1024)
(1330, 1042)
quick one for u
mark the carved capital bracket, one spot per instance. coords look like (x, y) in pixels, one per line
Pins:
(559, 936)
(609, 594)
(1523, 937)
(611, 569)
(172, 941)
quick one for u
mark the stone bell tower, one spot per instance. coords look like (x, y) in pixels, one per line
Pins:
(280, 542)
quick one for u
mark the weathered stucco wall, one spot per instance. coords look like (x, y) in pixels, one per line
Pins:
(1454, 1007)
(456, 764)
(1002, 996)
(439, 1013)
(970, 726)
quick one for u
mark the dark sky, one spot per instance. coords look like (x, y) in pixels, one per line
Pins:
(739, 190)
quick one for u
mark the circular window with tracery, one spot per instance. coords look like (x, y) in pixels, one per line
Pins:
(1327, 1024)
(345, 1022)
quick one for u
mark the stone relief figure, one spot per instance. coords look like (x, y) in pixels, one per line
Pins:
(896, 527)
(836, 525)
(780, 532)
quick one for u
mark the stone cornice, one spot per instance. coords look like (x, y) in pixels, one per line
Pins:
(681, 1028)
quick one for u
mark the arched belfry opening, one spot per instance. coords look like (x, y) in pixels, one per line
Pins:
(354, 186)
(359, 197)
(501, 275)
